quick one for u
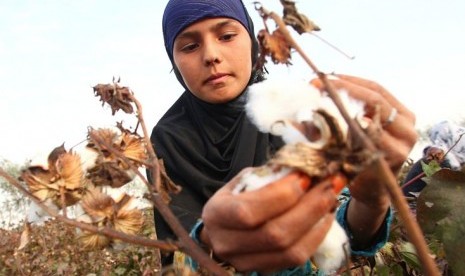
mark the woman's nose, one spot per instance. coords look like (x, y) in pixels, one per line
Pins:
(211, 55)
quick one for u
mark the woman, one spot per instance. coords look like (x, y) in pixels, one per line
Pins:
(205, 140)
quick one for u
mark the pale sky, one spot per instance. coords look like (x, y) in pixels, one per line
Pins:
(53, 51)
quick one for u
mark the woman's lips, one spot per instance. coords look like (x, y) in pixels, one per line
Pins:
(216, 79)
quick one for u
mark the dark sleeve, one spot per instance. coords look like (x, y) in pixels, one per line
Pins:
(418, 184)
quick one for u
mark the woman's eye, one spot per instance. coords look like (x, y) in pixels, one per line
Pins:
(227, 37)
(189, 47)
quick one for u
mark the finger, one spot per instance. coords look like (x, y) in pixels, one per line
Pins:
(252, 208)
(281, 232)
(296, 255)
(401, 127)
(372, 94)
(374, 86)
(397, 150)
(382, 91)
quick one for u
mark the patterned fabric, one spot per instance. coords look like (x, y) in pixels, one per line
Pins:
(445, 135)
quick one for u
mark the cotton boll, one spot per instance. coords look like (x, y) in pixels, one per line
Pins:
(36, 215)
(288, 132)
(330, 255)
(272, 101)
(88, 158)
(259, 177)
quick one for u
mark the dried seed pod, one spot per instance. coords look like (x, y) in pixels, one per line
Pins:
(62, 174)
(298, 21)
(110, 168)
(116, 96)
(103, 210)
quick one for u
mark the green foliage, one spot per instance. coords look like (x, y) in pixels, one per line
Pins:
(431, 168)
(440, 213)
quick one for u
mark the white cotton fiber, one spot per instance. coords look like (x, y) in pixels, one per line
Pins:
(272, 101)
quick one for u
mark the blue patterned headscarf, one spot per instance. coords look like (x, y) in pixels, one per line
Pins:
(179, 14)
(447, 136)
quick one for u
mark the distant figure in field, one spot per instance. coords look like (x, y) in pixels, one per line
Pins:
(447, 147)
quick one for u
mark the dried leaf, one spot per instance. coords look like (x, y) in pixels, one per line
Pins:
(25, 236)
(108, 173)
(167, 185)
(116, 96)
(298, 21)
(275, 46)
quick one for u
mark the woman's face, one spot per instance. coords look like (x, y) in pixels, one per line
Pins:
(214, 58)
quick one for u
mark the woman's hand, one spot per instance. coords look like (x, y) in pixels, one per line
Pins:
(397, 137)
(275, 227)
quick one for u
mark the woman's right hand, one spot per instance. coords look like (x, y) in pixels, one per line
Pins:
(272, 228)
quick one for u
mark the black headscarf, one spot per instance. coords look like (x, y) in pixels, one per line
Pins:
(204, 145)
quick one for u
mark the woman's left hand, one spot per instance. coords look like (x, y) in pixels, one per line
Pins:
(396, 139)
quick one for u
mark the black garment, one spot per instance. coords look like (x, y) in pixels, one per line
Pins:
(203, 146)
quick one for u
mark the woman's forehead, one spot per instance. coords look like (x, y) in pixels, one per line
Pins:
(210, 24)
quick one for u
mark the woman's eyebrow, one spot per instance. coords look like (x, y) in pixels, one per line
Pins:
(217, 26)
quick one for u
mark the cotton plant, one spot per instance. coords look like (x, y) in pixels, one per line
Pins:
(88, 180)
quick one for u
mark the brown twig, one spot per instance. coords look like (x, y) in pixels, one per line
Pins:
(413, 230)
(153, 159)
(456, 142)
(63, 201)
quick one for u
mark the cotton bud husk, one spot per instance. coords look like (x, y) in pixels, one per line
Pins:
(98, 205)
(92, 241)
(118, 97)
(61, 174)
(134, 148)
(110, 168)
(104, 211)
